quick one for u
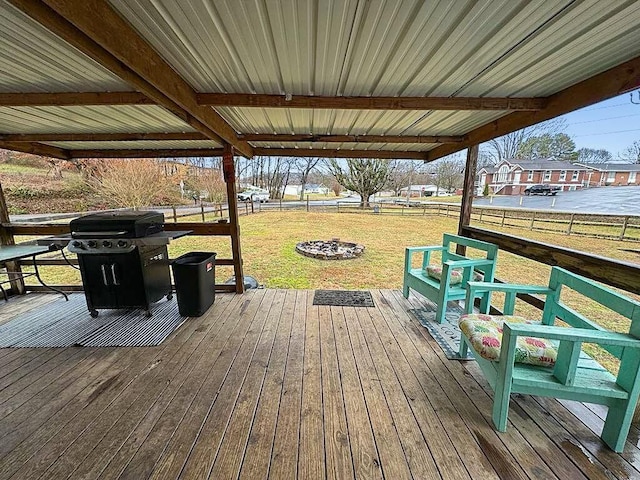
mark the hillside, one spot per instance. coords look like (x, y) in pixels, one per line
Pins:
(32, 189)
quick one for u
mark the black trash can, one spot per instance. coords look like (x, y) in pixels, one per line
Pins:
(194, 274)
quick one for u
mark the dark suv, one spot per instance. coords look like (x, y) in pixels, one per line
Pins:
(541, 190)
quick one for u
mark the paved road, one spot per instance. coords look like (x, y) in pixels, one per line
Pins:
(612, 200)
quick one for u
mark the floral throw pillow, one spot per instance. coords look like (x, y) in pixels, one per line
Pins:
(485, 336)
(435, 271)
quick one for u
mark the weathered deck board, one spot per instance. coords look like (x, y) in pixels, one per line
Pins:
(268, 385)
(284, 457)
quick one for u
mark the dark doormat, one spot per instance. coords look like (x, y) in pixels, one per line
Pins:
(343, 298)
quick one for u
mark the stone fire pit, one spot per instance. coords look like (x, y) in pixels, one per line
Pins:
(330, 250)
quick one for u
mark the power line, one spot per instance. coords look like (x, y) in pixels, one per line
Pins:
(607, 133)
(604, 119)
(605, 106)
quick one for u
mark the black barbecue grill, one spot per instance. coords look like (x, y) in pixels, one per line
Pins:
(123, 259)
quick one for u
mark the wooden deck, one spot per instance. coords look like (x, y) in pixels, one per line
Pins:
(268, 385)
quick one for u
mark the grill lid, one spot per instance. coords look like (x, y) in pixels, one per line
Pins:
(124, 224)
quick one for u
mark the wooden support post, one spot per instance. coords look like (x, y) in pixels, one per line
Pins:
(202, 210)
(467, 194)
(232, 200)
(624, 227)
(533, 219)
(175, 214)
(570, 224)
(504, 214)
(307, 203)
(481, 212)
(6, 238)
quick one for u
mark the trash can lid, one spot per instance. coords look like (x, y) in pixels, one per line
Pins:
(191, 258)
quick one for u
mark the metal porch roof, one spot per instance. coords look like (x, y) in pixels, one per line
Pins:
(381, 48)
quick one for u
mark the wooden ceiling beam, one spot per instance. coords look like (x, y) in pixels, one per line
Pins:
(148, 153)
(65, 99)
(369, 103)
(37, 149)
(278, 137)
(100, 137)
(608, 84)
(98, 31)
(253, 137)
(335, 153)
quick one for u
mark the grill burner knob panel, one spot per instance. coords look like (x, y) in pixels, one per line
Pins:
(98, 246)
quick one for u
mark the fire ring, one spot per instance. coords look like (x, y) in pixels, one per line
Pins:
(330, 250)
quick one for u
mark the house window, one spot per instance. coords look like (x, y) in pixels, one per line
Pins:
(611, 177)
(547, 175)
(574, 177)
(632, 177)
(503, 171)
(530, 176)
(563, 175)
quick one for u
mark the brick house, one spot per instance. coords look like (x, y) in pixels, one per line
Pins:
(511, 177)
(616, 174)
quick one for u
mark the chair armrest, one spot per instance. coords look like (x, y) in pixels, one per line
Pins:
(571, 334)
(468, 263)
(507, 288)
(474, 289)
(426, 251)
(433, 248)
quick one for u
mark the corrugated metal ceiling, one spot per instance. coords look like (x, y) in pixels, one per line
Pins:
(405, 47)
(90, 119)
(35, 60)
(325, 47)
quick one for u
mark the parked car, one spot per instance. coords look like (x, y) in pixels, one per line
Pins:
(541, 189)
(261, 196)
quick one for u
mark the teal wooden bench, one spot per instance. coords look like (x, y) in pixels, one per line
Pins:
(440, 291)
(523, 358)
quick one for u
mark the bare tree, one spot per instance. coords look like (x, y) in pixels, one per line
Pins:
(362, 175)
(508, 146)
(404, 173)
(449, 174)
(89, 168)
(275, 174)
(131, 183)
(632, 152)
(306, 166)
(592, 155)
(210, 180)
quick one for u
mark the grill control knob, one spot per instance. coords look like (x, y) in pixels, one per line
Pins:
(92, 244)
(107, 243)
(122, 243)
(77, 244)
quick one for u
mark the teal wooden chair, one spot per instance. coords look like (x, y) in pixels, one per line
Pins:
(540, 358)
(445, 282)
